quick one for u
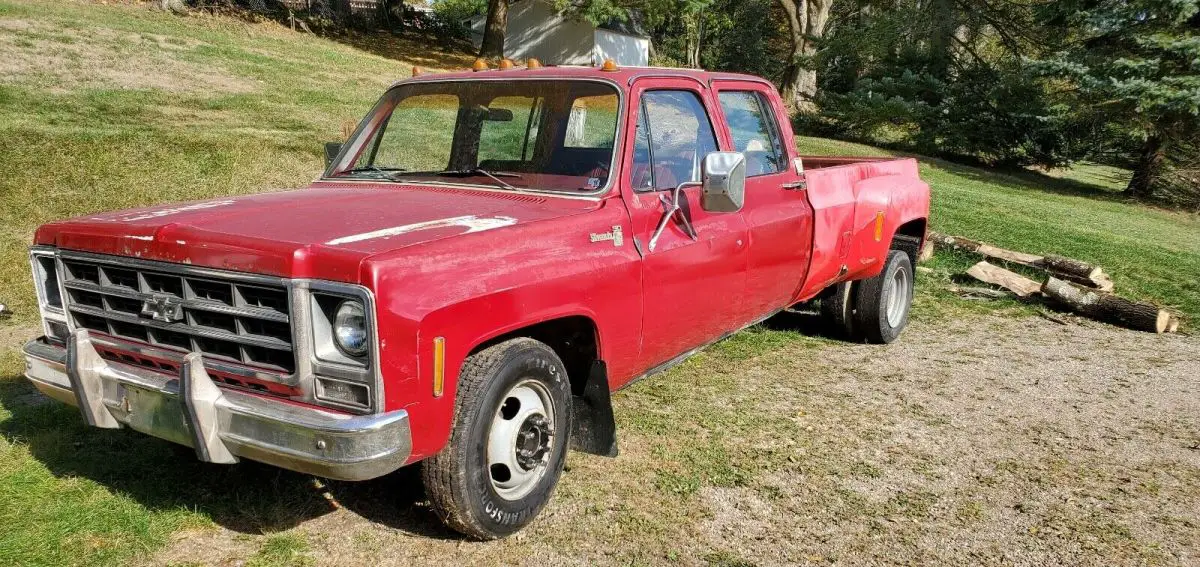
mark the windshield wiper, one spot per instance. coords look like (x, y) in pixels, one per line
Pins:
(495, 176)
(384, 171)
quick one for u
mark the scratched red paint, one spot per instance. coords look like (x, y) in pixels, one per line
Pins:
(529, 259)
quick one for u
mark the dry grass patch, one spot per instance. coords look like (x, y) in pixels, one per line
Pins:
(62, 59)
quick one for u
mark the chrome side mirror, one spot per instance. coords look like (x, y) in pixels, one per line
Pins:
(332, 149)
(724, 185)
(723, 190)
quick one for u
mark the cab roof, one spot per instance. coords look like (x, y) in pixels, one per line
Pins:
(623, 76)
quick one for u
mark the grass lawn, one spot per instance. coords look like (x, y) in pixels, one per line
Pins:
(107, 107)
(1152, 254)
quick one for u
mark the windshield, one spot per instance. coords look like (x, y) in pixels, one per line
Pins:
(540, 135)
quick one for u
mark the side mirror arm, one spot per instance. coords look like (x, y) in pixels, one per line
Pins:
(673, 209)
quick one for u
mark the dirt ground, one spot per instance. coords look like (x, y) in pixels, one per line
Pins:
(989, 440)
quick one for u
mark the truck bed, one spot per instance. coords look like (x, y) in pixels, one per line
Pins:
(847, 194)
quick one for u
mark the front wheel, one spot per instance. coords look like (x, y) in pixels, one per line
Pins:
(509, 441)
(883, 302)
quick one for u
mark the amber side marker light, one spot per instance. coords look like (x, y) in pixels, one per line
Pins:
(439, 366)
(610, 66)
(879, 226)
(533, 64)
(480, 65)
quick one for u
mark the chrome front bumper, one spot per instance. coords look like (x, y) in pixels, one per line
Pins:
(222, 425)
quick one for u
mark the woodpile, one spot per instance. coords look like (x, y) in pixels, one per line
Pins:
(1081, 287)
(1068, 269)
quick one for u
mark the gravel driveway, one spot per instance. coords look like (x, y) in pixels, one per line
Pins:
(990, 440)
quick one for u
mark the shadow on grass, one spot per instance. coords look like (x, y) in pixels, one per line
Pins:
(1038, 181)
(806, 320)
(411, 47)
(248, 497)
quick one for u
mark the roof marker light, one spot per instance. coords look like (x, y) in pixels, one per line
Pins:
(506, 64)
(480, 65)
(610, 66)
(533, 63)
(416, 71)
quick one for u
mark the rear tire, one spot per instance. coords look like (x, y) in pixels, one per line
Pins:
(837, 310)
(882, 304)
(511, 428)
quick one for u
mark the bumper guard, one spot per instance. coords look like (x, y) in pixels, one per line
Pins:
(221, 425)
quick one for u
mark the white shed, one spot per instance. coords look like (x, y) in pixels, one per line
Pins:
(536, 29)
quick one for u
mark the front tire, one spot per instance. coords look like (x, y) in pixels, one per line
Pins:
(508, 445)
(883, 302)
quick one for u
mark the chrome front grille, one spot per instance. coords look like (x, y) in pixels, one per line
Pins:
(226, 316)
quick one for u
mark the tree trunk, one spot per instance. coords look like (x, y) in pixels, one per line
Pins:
(1150, 162)
(495, 29)
(694, 24)
(941, 37)
(806, 26)
(1108, 308)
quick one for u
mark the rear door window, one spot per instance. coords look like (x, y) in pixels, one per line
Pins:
(754, 131)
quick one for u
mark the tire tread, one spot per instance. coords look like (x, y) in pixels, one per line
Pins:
(439, 472)
(869, 313)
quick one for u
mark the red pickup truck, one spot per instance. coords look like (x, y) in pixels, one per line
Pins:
(485, 259)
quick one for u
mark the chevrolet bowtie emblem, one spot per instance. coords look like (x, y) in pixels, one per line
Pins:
(617, 236)
(165, 308)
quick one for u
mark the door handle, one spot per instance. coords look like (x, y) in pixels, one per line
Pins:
(797, 186)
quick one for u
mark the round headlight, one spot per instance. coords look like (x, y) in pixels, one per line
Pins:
(350, 329)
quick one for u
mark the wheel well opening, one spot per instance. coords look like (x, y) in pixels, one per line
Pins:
(909, 237)
(573, 339)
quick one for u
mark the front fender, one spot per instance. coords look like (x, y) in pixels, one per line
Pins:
(471, 289)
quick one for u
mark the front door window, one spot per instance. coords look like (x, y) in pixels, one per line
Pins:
(674, 134)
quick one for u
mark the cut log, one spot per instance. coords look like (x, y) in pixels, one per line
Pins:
(1108, 308)
(1078, 272)
(1068, 266)
(1069, 269)
(926, 252)
(995, 275)
(1022, 258)
(955, 242)
(1173, 324)
(947, 241)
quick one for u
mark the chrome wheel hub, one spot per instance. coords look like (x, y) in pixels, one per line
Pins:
(520, 440)
(533, 442)
(898, 297)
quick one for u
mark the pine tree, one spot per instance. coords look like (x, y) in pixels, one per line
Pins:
(1136, 64)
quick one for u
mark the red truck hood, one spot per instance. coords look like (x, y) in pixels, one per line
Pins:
(325, 231)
